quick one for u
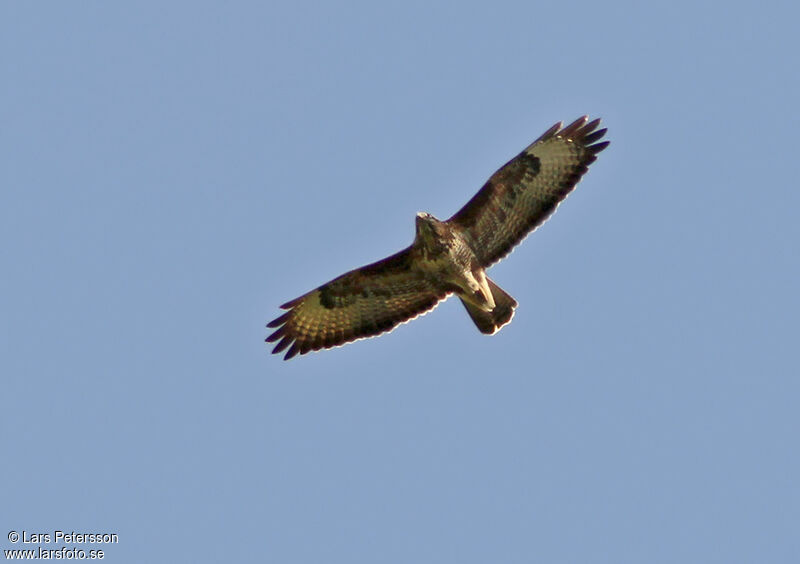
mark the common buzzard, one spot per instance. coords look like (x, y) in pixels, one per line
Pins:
(447, 257)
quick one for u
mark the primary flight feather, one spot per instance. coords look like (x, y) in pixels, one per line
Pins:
(447, 257)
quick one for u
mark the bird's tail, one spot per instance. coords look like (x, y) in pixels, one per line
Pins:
(490, 322)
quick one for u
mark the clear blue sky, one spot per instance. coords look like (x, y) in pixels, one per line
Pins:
(172, 172)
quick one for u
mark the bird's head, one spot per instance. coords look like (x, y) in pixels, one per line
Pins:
(426, 223)
(429, 229)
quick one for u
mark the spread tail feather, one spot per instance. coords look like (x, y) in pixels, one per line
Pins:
(490, 322)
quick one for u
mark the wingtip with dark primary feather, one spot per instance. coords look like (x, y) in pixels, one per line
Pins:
(570, 132)
(586, 133)
(596, 135)
(290, 304)
(279, 320)
(282, 335)
(550, 132)
(293, 350)
(283, 344)
(286, 339)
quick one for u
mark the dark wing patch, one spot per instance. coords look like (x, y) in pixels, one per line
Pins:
(524, 192)
(362, 303)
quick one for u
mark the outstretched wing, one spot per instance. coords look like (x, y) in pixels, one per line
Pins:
(362, 303)
(526, 191)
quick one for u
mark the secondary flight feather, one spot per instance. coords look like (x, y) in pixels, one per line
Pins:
(447, 257)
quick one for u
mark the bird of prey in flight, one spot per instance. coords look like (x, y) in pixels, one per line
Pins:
(447, 257)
